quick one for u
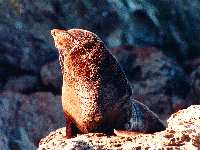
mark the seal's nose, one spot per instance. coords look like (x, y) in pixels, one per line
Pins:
(55, 32)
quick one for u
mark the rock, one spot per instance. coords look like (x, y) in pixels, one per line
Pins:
(22, 84)
(1, 84)
(146, 22)
(24, 29)
(157, 80)
(25, 119)
(3, 142)
(25, 26)
(183, 132)
(195, 83)
(20, 140)
(9, 105)
(39, 114)
(51, 75)
(25, 34)
(192, 64)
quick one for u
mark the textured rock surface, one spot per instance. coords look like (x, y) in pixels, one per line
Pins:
(19, 139)
(25, 25)
(39, 113)
(51, 75)
(3, 142)
(157, 80)
(9, 103)
(25, 119)
(183, 132)
(195, 77)
(169, 24)
(22, 84)
(25, 34)
(192, 64)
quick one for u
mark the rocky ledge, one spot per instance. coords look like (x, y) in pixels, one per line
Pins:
(183, 132)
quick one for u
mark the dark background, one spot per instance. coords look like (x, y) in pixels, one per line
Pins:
(157, 43)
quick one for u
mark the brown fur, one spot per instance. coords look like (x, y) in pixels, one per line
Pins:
(95, 92)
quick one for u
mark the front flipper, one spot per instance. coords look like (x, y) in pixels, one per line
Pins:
(71, 129)
(143, 119)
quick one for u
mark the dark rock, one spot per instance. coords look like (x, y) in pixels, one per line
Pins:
(156, 79)
(195, 77)
(25, 43)
(9, 105)
(39, 114)
(25, 35)
(171, 25)
(25, 25)
(19, 140)
(3, 141)
(25, 119)
(51, 76)
(22, 84)
(1, 84)
(191, 65)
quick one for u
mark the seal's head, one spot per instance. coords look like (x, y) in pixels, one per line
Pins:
(68, 39)
(78, 48)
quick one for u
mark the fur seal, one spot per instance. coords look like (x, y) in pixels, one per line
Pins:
(96, 95)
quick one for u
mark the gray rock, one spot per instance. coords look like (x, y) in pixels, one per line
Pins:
(19, 140)
(167, 24)
(22, 84)
(195, 83)
(25, 119)
(9, 105)
(191, 65)
(24, 29)
(3, 142)
(39, 114)
(25, 43)
(51, 75)
(156, 79)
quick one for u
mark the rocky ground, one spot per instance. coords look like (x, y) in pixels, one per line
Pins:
(159, 52)
(183, 132)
